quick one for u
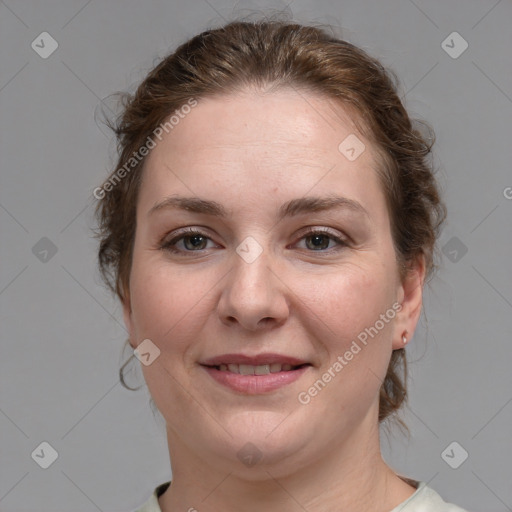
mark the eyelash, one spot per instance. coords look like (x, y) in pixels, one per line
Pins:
(191, 232)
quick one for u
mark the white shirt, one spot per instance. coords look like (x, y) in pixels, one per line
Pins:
(424, 499)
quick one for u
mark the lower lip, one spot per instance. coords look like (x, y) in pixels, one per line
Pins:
(255, 384)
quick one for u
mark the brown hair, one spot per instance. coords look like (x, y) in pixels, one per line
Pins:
(259, 54)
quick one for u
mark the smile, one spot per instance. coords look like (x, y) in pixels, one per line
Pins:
(262, 369)
(254, 380)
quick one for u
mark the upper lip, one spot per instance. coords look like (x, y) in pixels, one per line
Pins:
(256, 360)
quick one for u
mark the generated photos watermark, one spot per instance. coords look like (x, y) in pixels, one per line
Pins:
(150, 143)
(355, 348)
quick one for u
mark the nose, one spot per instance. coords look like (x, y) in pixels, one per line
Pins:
(254, 295)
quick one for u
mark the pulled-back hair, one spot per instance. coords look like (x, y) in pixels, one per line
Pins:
(273, 54)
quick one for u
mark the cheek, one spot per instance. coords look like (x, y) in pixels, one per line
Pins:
(167, 309)
(357, 317)
(163, 299)
(354, 298)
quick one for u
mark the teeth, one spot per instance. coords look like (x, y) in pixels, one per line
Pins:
(249, 369)
(263, 369)
(246, 369)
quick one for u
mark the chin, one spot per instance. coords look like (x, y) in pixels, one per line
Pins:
(265, 439)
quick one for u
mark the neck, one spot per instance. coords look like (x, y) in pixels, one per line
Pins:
(349, 475)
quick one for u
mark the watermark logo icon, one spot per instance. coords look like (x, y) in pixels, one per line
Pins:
(44, 250)
(454, 45)
(44, 45)
(249, 454)
(249, 250)
(146, 352)
(454, 249)
(352, 147)
(454, 455)
(44, 455)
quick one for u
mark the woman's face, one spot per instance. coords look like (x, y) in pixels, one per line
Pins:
(290, 256)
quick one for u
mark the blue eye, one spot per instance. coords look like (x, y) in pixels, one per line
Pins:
(193, 241)
(320, 239)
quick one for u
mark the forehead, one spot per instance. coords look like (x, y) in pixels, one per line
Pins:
(261, 143)
(302, 121)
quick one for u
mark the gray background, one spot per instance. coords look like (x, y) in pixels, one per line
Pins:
(62, 333)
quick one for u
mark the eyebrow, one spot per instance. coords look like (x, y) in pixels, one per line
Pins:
(292, 208)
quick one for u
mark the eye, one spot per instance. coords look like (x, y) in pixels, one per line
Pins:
(190, 240)
(320, 240)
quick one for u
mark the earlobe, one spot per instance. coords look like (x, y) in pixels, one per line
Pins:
(411, 292)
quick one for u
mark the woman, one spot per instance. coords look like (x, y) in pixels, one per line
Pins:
(268, 229)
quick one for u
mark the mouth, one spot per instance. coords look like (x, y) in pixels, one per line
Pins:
(261, 369)
(255, 375)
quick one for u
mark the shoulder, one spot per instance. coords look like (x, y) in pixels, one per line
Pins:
(426, 499)
(152, 504)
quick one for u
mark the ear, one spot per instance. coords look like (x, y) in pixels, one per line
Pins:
(127, 315)
(410, 296)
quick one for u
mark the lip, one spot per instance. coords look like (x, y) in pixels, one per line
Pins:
(266, 358)
(255, 384)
